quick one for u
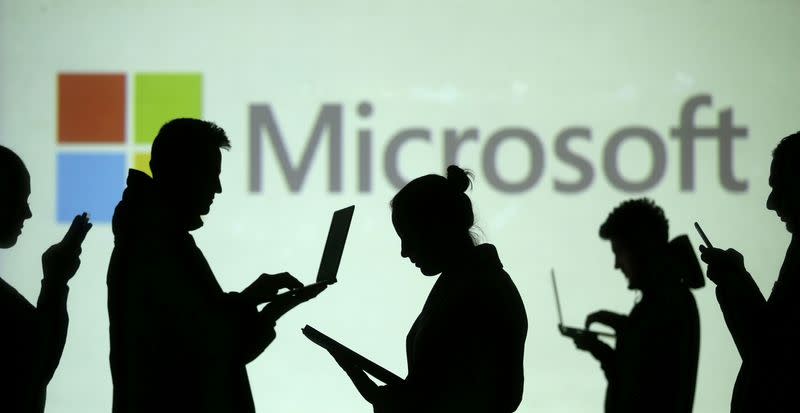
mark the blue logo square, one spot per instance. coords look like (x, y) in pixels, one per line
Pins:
(91, 182)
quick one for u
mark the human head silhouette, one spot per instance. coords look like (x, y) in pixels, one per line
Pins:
(784, 198)
(186, 163)
(15, 187)
(638, 230)
(432, 216)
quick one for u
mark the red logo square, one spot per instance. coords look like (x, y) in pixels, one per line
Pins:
(91, 108)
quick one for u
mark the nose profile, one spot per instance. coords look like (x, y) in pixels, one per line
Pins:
(771, 200)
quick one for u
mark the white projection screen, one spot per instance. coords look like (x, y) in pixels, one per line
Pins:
(562, 109)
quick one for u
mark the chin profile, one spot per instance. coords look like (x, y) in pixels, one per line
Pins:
(8, 242)
(428, 272)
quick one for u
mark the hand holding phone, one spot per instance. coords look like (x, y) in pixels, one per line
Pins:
(723, 265)
(61, 261)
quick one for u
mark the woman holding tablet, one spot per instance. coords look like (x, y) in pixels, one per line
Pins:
(465, 349)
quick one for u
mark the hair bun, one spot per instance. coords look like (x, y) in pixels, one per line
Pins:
(458, 178)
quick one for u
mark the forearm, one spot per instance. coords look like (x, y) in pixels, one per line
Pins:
(743, 308)
(608, 365)
(253, 331)
(53, 321)
(273, 311)
(603, 353)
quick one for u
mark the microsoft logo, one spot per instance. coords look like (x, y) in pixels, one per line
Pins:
(95, 148)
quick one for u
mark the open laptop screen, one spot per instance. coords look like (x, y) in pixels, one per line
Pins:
(334, 246)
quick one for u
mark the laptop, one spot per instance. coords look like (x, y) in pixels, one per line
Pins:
(334, 246)
(571, 331)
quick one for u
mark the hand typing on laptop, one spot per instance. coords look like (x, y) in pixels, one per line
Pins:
(608, 318)
(588, 341)
(266, 287)
(283, 303)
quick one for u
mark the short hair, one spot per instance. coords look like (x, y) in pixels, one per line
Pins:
(184, 139)
(788, 150)
(636, 222)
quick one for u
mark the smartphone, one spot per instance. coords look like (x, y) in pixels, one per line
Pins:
(703, 235)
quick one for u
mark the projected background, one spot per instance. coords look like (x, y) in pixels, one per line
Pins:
(562, 110)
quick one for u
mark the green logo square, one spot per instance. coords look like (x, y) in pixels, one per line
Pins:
(160, 97)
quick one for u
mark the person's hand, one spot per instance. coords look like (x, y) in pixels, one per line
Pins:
(589, 342)
(267, 286)
(61, 261)
(723, 265)
(344, 361)
(365, 386)
(283, 303)
(308, 293)
(605, 317)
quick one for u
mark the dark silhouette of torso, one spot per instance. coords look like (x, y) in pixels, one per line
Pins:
(767, 337)
(178, 342)
(654, 366)
(31, 342)
(465, 350)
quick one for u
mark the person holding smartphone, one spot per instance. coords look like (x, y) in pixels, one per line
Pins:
(765, 331)
(465, 349)
(32, 338)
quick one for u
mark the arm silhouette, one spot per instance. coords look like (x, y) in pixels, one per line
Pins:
(59, 264)
(465, 375)
(742, 304)
(601, 351)
(611, 319)
(258, 330)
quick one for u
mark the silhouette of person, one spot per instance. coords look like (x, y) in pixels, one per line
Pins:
(465, 350)
(178, 342)
(765, 331)
(32, 338)
(653, 367)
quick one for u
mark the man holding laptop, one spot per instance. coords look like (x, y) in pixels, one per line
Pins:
(653, 365)
(178, 342)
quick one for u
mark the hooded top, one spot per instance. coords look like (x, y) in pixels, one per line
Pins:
(465, 350)
(654, 364)
(178, 342)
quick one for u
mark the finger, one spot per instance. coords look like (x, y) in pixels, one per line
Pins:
(84, 227)
(77, 231)
(711, 255)
(592, 318)
(309, 293)
(734, 254)
(286, 280)
(72, 231)
(597, 317)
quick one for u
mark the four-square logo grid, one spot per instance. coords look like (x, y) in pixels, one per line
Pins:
(94, 146)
